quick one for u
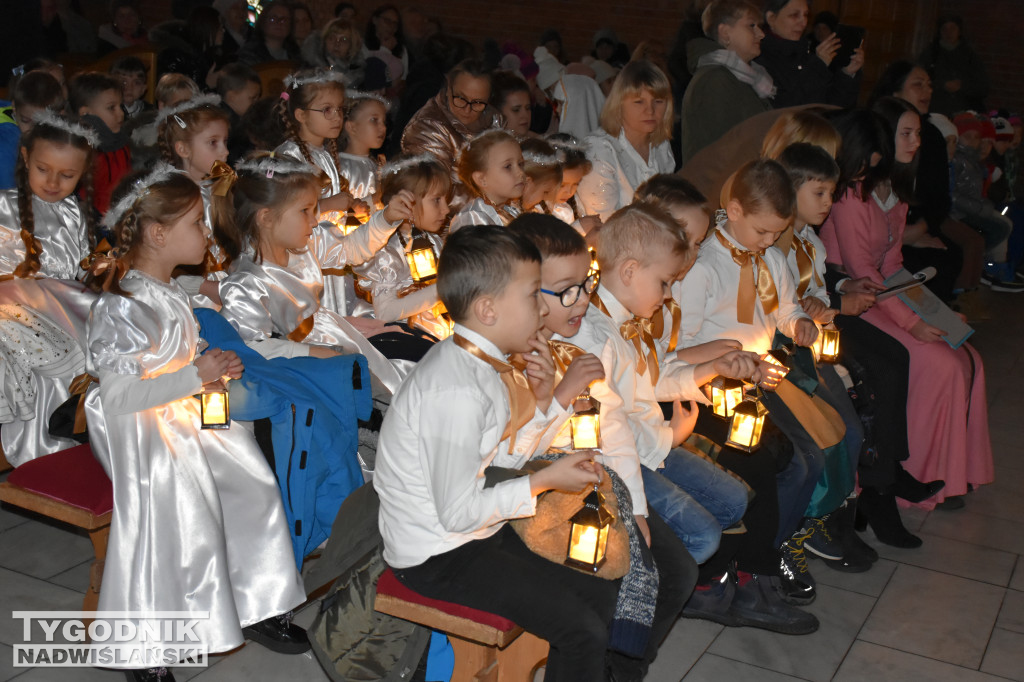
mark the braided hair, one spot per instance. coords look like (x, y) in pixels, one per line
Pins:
(164, 201)
(301, 96)
(59, 137)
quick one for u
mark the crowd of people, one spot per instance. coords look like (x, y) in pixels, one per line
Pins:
(499, 241)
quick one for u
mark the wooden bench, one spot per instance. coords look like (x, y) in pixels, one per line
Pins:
(488, 648)
(68, 486)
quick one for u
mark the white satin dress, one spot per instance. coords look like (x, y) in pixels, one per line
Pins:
(198, 522)
(55, 295)
(266, 302)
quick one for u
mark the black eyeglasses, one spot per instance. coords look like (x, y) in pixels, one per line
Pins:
(568, 296)
(476, 105)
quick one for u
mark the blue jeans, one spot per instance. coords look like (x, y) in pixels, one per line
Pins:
(696, 498)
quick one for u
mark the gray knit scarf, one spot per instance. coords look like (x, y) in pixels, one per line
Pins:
(753, 74)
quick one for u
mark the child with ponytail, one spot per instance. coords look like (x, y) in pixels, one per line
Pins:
(192, 136)
(491, 168)
(396, 296)
(44, 230)
(274, 295)
(145, 429)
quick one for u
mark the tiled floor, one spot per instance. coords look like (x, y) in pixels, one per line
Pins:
(951, 610)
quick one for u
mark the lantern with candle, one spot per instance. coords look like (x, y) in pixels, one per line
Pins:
(585, 423)
(746, 425)
(725, 394)
(421, 259)
(215, 408)
(588, 533)
(826, 347)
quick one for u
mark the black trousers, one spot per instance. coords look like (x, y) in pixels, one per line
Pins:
(883, 364)
(569, 609)
(754, 551)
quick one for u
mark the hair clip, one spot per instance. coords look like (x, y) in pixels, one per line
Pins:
(140, 188)
(54, 120)
(18, 71)
(285, 96)
(189, 104)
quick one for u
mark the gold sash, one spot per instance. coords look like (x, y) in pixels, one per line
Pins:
(521, 401)
(79, 385)
(818, 418)
(658, 323)
(563, 353)
(639, 331)
(302, 331)
(805, 254)
(765, 287)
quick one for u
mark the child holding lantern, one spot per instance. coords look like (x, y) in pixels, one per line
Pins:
(463, 408)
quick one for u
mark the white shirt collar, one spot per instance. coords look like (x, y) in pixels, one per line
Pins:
(616, 310)
(480, 342)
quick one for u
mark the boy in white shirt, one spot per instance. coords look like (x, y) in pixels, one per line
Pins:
(462, 409)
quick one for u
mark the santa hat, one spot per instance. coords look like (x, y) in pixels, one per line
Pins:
(967, 122)
(944, 125)
(1004, 131)
(550, 69)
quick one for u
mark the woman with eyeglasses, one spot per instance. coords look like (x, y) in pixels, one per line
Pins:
(456, 114)
(337, 47)
(632, 144)
(271, 40)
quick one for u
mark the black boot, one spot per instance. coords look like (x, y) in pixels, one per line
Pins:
(757, 605)
(278, 634)
(857, 554)
(149, 675)
(913, 490)
(880, 512)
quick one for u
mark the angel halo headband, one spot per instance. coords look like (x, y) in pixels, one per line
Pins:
(291, 81)
(140, 188)
(269, 165)
(210, 99)
(400, 165)
(541, 159)
(50, 118)
(351, 95)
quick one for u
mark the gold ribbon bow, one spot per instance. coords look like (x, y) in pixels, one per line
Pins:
(223, 177)
(521, 401)
(638, 330)
(805, 254)
(765, 287)
(79, 385)
(563, 353)
(658, 322)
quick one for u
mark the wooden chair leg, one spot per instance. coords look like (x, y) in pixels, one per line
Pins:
(474, 662)
(99, 539)
(520, 660)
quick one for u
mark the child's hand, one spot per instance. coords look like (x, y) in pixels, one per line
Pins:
(339, 202)
(589, 223)
(581, 372)
(720, 347)
(215, 363)
(863, 285)
(235, 367)
(805, 333)
(572, 473)
(359, 208)
(856, 303)
(323, 352)
(683, 421)
(400, 207)
(371, 326)
(738, 364)
(816, 310)
(926, 333)
(540, 371)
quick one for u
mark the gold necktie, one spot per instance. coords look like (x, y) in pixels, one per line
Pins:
(637, 331)
(765, 287)
(563, 353)
(805, 254)
(521, 401)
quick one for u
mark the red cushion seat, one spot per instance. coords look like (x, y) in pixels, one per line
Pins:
(390, 585)
(71, 476)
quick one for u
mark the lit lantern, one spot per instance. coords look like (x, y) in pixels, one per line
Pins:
(826, 348)
(421, 258)
(588, 533)
(585, 424)
(214, 409)
(775, 367)
(725, 394)
(746, 426)
(594, 265)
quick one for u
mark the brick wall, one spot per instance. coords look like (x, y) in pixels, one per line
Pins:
(994, 29)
